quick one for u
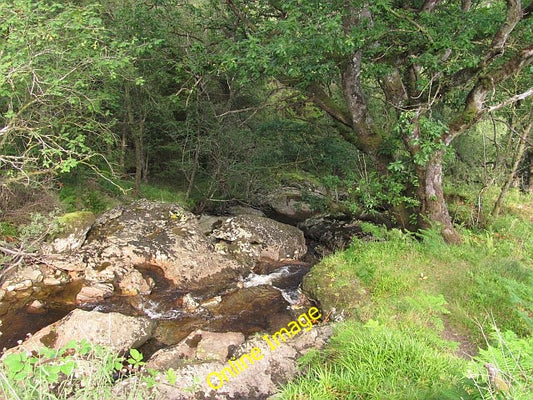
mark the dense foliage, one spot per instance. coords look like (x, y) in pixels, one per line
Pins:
(217, 98)
(416, 114)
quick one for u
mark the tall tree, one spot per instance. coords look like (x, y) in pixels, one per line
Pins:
(405, 78)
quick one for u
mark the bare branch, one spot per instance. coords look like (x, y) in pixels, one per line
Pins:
(511, 100)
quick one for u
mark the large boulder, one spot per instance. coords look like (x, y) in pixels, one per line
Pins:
(161, 235)
(331, 233)
(116, 331)
(293, 204)
(251, 239)
(75, 227)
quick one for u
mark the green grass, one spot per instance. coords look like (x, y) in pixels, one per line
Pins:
(374, 362)
(490, 273)
(164, 194)
(99, 196)
(426, 295)
(7, 229)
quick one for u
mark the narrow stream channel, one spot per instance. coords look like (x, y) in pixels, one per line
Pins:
(265, 300)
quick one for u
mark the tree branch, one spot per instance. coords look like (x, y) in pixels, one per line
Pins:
(430, 5)
(326, 103)
(474, 105)
(511, 100)
(514, 15)
(528, 11)
(239, 15)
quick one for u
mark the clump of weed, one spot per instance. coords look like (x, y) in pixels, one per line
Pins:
(504, 369)
(78, 371)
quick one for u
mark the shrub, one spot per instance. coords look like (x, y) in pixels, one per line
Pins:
(78, 371)
(504, 370)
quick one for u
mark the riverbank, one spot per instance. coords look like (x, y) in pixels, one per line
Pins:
(424, 320)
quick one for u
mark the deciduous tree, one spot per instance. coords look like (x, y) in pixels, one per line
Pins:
(405, 77)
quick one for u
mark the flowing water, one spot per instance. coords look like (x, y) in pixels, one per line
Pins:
(265, 300)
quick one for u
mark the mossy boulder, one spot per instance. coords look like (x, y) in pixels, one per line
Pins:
(160, 235)
(251, 239)
(338, 291)
(74, 228)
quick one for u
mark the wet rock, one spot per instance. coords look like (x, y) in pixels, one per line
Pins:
(34, 275)
(117, 331)
(134, 283)
(36, 307)
(94, 293)
(251, 239)
(209, 303)
(189, 304)
(249, 310)
(331, 233)
(259, 380)
(171, 332)
(52, 281)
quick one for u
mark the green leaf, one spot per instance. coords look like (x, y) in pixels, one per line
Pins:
(171, 376)
(68, 368)
(136, 356)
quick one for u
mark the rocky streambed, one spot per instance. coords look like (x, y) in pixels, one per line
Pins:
(188, 291)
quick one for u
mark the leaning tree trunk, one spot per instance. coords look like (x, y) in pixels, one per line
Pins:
(517, 157)
(433, 209)
(529, 186)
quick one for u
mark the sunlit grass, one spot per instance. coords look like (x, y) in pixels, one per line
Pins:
(375, 362)
(426, 295)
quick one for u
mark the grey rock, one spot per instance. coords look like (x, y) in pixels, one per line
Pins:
(114, 330)
(251, 239)
(161, 235)
(76, 226)
(258, 380)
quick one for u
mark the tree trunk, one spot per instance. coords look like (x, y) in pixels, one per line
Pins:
(529, 187)
(514, 168)
(433, 207)
(138, 165)
(123, 146)
(145, 167)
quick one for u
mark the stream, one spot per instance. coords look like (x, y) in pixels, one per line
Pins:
(259, 302)
(260, 293)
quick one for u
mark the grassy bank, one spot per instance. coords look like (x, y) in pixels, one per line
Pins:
(416, 309)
